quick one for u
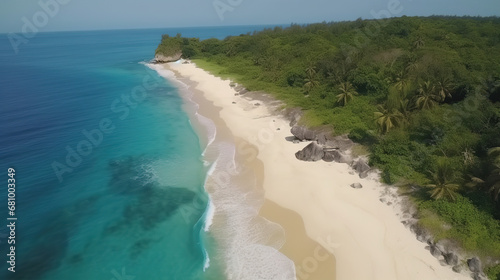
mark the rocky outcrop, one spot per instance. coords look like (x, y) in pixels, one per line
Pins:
(451, 258)
(362, 168)
(474, 264)
(321, 135)
(336, 155)
(303, 133)
(476, 268)
(342, 142)
(435, 251)
(293, 115)
(312, 152)
(160, 58)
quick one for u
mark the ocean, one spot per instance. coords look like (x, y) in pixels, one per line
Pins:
(109, 171)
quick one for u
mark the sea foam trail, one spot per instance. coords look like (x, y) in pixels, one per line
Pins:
(249, 244)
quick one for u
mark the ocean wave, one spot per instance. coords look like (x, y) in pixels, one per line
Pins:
(250, 243)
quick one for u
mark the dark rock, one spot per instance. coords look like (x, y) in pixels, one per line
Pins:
(303, 133)
(322, 138)
(329, 157)
(474, 265)
(479, 276)
(257, 104)
(435, 251)
(356, 186)
(336, 155)
(341, 142)
(312, 152)
(232, 85)
(293, 115)
(278, 128)
(243, 91)
(296, 141)
(451, 258)
(361, 168)
(421, 233)
(457, 268)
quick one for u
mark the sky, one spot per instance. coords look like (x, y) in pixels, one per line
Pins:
(66, 15)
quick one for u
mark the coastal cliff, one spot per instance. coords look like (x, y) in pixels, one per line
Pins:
(161, 58)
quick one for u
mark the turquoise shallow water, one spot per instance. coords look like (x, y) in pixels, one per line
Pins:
(110, 177)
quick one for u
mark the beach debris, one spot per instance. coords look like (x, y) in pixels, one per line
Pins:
(312, 152)
(278, 128)
(234, 102)
(257, 104)
(356, 186)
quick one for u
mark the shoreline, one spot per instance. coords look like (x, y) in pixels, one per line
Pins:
(203, 112)
(365, 236)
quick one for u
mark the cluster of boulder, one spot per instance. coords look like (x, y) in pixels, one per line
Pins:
(328, 148)
(325, 147)
(240, 90)
(446, 252)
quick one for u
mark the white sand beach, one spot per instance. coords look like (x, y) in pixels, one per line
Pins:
(365, 235)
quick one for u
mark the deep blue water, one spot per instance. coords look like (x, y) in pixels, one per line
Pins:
(109, 173)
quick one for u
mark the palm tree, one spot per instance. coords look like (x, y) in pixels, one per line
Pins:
(494, 178)
(492, 181)
(443, 186)
(347, 93)
(388, 119)
(311, 71)
(405, 108)
(310, 81)
(419, 42)
(444, 87)
(401, 82)
(427, 97)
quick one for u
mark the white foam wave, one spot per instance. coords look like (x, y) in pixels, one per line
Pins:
(206, 265)
(209, 216)
(250, 243)
(211, 129)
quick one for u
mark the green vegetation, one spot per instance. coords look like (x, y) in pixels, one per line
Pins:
(421, 94)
